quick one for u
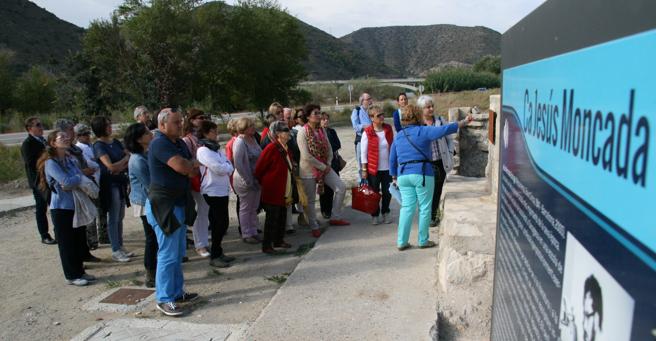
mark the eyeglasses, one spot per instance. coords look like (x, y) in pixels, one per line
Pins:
(316, 112)
(37, 125)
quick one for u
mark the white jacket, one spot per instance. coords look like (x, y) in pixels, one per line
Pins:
(215, 172)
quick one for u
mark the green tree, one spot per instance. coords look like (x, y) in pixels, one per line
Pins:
(162, 41)
(266, 53)
(6, 82)
(490, 64)
(35, 92)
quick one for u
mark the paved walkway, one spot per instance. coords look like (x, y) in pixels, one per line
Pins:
(16, 204)
(355, 285)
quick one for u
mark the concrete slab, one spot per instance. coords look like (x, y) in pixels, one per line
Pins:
(15, 204)
(355, 285)
(160, 330)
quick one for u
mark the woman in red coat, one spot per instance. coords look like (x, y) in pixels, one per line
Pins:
(274, 173)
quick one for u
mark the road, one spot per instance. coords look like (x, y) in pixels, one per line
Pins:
(15, 139)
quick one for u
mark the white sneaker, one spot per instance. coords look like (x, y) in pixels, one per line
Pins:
(127, 253)
(80, 282)
(119, 256)
(375, 221)
(387, 219)
(203, 252)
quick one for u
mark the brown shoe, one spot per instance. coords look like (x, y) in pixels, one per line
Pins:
(269, 250)
(283, 245)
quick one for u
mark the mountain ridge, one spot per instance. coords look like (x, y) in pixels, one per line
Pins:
(39, 37)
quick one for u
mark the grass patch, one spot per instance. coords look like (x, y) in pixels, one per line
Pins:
(12, 164)
(279, 279)
(303, 249)
(110, 284)
(444, 101)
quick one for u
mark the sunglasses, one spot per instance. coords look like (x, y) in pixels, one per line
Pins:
(38, 125)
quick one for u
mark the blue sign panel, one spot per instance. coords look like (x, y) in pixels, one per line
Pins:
(576, 237)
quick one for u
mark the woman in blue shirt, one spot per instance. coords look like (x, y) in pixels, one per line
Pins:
(137, 139)
(113, 161)
(60, 175)
(411, 170)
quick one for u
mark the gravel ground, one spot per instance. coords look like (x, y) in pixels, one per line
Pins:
(39, 305)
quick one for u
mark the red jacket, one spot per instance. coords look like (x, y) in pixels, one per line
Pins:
(372, 152)
(271, 172)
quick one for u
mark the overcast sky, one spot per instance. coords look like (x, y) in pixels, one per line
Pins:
(341, 17)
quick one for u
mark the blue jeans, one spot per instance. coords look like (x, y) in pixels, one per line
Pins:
(413, 193)
(169, 281)
(116, 214)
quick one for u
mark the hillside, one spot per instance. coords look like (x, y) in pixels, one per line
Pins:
(35, 35)
(331, 58)
(39, 37)
(412, 50)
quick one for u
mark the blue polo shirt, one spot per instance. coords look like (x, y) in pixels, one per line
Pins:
(160, 151)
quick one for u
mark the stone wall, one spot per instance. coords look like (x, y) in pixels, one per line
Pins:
(471, 143)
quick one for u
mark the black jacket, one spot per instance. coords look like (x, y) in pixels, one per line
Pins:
(162, 203)
(31, 150)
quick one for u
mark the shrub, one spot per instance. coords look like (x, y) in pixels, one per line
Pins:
(12, 163)
(458, 79)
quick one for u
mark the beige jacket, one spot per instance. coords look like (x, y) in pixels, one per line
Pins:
(308, 162)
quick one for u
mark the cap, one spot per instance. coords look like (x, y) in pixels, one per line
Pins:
(82, 129)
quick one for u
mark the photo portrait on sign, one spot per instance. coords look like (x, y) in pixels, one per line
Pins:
(594, 307)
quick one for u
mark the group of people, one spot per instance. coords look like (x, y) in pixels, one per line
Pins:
(174, 174)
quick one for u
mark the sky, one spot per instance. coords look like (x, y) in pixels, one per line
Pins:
(341, 17)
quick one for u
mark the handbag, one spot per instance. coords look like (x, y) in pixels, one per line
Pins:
(365, 199)
(342, 162)
(197, 180)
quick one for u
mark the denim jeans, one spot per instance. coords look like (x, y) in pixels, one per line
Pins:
(169, 281)
(115, 219)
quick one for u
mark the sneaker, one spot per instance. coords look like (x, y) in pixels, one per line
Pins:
(251, 240)
(290, 230)
(325, 215)
(434, 222)
(428, 244)
(387, 219)
(119, 256)
(48, 240)
(316, 233)
(404, 247)
(80, 282)
(219, 263)
(203, 252)
(338, 222)
(170, 309)
(375, 221)
(187, 297)
(89, 278)
(127, 253)
(227, 259)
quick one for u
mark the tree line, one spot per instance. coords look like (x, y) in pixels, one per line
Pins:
(170, 52)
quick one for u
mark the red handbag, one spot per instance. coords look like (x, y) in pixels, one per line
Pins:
(365, 199)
